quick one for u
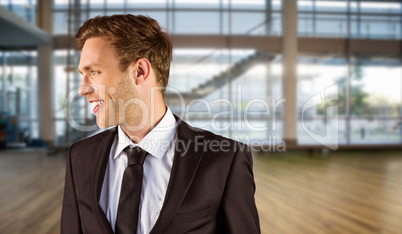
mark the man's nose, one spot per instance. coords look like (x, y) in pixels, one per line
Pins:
(85, 87)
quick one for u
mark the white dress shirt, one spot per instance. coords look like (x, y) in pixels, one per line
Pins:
(160, 144)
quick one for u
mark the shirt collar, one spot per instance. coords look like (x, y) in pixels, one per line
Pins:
(156, 142)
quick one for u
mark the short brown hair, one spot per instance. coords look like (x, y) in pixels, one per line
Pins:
(133, 37)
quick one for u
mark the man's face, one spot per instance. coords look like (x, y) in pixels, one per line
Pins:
(104, 85)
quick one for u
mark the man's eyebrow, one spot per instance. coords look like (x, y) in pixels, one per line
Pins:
(88, 67)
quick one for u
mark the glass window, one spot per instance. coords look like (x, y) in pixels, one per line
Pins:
(305, 5)
(196, 23)
(23, 8)
(248, 4)
(375, 131)
(322, 25)
(318, 77)
(60, 4)
(255, 23)
(138, 4)
(376, 88)
(116, 4)
(380, 7)
(334, 6)
(377, 27)
(321, 130)
(202, 78)
(60, 23)
(192, 67)
(204, 4)
(257, 99)
(331, 25)
(321, 97)
(305, 24)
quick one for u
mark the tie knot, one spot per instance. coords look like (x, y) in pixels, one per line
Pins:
(135, 155)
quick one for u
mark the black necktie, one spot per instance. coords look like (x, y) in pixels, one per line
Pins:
(130, 193)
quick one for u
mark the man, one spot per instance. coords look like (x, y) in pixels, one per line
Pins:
(152, 173)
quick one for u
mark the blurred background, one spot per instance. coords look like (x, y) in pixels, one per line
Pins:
(315, 86)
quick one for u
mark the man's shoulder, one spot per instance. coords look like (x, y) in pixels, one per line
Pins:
(94, 138)
(215, 140)
(211, 135)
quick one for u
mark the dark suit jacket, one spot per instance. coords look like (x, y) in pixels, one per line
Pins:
(211, 187)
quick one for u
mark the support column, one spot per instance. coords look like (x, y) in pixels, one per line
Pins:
(289, 76)
(268, 17)
(4, 105)
(45, 75)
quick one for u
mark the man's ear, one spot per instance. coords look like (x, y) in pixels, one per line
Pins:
(142, 70)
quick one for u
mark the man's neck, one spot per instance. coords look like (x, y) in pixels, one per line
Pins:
(151, 121)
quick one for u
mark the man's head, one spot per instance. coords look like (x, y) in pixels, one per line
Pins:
(132, 37)
(123, 57)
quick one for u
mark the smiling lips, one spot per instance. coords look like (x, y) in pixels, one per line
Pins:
(96, 105)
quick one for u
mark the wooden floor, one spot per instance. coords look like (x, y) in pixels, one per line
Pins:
(351, 192)
(31, 191)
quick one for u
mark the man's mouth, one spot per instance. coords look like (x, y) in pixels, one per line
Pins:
(96, 105)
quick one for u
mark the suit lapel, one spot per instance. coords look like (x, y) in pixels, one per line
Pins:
(100, 156)
(185, 163)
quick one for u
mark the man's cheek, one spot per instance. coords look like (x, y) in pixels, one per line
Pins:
(111, 114)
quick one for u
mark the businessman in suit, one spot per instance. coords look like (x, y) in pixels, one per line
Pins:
(150, 172)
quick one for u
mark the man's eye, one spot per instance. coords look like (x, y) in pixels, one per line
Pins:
(94, 73)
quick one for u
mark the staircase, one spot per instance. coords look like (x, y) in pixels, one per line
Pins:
(231, 73)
